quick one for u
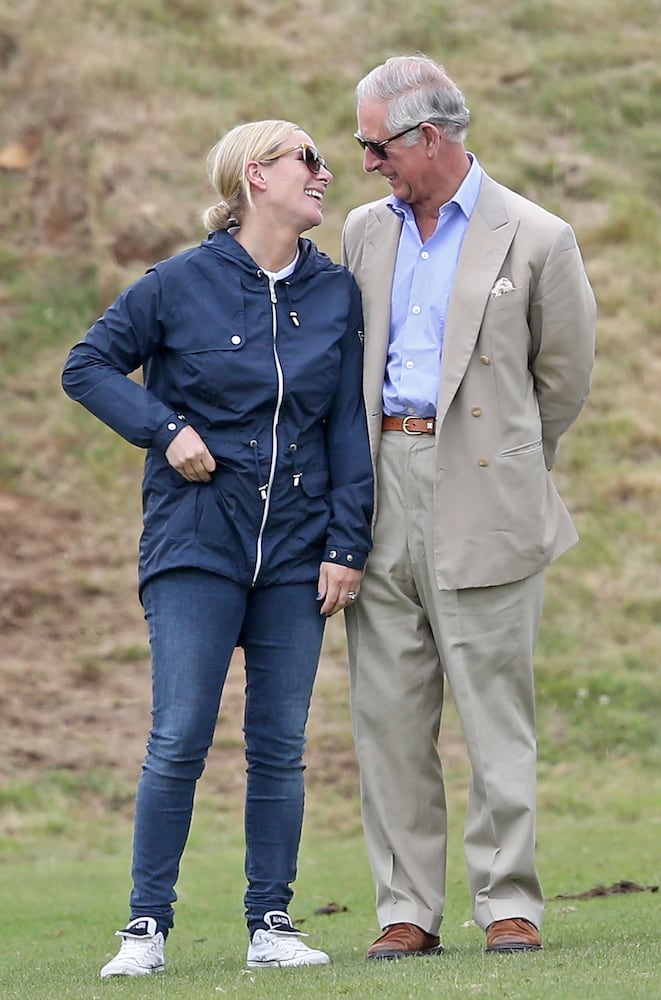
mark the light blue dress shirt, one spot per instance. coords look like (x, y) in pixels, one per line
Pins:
(424, 274)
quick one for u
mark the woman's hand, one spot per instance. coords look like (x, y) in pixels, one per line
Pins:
(338, 586)
(188, 454)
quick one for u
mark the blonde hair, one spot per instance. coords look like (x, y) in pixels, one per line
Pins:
(226, 168)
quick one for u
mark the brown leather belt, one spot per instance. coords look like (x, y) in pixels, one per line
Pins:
(410, 425)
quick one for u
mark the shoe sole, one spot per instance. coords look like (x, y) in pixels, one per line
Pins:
(390, 956)
(284, 965)
(133, 974)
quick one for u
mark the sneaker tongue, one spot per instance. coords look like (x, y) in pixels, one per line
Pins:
(142, 926)
(278, 920)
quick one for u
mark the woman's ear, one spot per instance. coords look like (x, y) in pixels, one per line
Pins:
(254, 174)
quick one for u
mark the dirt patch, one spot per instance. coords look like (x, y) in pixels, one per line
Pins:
(68, 613)
(75, 691)
(616, 889)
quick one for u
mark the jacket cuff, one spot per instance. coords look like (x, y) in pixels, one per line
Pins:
(345, 557)
(168, 431)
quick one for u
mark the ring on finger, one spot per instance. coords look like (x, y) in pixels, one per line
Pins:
(352, 595)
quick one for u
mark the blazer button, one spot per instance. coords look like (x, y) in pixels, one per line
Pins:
(483, 462)
(477, 411)
(485, 359)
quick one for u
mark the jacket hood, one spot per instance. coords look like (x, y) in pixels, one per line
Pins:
(311, 260)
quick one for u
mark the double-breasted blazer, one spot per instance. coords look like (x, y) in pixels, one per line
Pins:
(516, 366)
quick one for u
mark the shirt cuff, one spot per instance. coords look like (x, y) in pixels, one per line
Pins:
(168, 431)
(345, 557)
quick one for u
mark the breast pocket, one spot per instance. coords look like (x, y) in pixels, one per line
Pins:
(508, 300)
(207, 373)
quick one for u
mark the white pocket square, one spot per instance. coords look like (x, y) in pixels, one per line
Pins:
(502, 286)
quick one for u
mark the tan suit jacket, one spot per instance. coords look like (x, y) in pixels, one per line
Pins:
(515, 373)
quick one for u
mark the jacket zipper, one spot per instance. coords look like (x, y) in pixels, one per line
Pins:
(265, 490)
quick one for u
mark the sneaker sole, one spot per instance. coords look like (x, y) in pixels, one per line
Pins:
(134, 973)
(286, 965)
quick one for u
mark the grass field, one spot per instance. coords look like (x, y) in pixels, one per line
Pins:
(72, 896)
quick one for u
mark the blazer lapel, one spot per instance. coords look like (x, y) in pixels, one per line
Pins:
(377, 269)
(484, 249)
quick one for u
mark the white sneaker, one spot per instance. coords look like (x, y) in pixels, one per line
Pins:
(141, 952)
(281, 945)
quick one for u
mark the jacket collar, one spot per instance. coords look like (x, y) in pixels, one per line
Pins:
(310, 258)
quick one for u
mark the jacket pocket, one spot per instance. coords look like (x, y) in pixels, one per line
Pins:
(508, 300)
(315, 484)
(182, 517)
(204, 374)
(522, 449)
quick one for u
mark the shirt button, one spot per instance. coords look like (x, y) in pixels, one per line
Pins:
(333, 554)
(416, 310)
(425, 255)
(409, 364)
(410, 409)
(236, 339)
(172, 426)
(485, 359)
(483, 462)
(349, 557)
(477, 411)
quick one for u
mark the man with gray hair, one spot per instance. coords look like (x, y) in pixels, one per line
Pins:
(479, 347)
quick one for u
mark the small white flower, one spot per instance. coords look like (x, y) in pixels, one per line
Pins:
(582, 694)
(604, 699)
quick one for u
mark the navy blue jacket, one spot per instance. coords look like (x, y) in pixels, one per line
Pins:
(270, 377)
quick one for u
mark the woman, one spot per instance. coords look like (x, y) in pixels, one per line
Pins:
(257, 500)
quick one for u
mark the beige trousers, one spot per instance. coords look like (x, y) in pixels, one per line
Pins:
(405, 636)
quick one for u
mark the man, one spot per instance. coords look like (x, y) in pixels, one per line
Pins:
(479, 346)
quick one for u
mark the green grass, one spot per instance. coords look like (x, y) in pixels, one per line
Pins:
(70, 897)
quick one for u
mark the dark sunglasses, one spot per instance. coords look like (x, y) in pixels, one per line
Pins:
(311, 158)
(379, 148)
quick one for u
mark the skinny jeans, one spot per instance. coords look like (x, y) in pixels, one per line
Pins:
(195, 621)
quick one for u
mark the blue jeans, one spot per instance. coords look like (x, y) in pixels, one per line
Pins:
(195, 621)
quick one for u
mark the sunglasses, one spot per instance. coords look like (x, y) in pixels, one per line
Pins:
(311, 158)
(379, 148)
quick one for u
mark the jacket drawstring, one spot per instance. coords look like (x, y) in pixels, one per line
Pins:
(296, 477)
(264, 488)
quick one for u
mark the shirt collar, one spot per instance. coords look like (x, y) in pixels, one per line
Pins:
(465, 197)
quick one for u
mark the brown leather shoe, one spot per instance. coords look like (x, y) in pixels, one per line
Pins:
(516, 934)
(404, 941)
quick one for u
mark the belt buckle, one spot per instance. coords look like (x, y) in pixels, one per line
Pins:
(406, 430)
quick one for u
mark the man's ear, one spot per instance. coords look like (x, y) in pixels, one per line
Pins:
(432, 135)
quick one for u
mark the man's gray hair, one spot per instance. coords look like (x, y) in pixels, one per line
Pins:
(416, 89)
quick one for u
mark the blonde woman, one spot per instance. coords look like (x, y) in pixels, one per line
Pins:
(257, 503)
